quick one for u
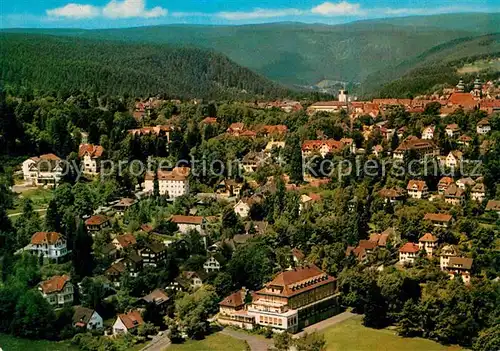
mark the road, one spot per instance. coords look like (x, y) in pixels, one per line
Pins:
(20, 213)
(159, 343)
(326, 323)
(256, 343)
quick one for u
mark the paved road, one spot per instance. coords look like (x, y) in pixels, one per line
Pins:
(326, 323)
(255, 342)
(159, 343)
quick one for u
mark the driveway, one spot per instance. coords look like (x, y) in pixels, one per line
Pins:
(326, 323)
(256, 343)
(159, 343)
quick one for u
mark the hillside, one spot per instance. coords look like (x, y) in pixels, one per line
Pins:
(61, 63)
(438, 65)
(305, 54)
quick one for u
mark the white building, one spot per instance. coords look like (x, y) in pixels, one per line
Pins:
(126, 322)
(87, 318)
(417, 189)
(447, 252)
(45, 170)
(242, 208)
(429, 243)
(428, 133)
(478, 192)
(213, 263)
(187, 223)
(408, 253)
(483, 126)
(173, 183)
(90, 156)
(454, 159)
(50, 245)
(452, 130)
(58, 291)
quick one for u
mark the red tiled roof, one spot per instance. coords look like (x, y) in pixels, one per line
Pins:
(126, 240)
(409, 248)
(392, 192)
(445, 181)
(493, 205)
(367, 244)
(209, 120)
(54, 284)
(438, 217)
(176, 174)
(94, 151)
(49, 238)
(293, 282)
(181, 219)
(49, 157)
(329, 103)
(299, 255)
(275, 129)
(333, 145)
(96, 220)
(131, 319)
(428, 237)
(465, 100)
(234, 300)
(419, 184)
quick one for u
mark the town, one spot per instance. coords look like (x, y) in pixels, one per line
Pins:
(275, 245)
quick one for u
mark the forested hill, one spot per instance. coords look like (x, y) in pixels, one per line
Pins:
(436, 66)
(52, 63)
(304, 54)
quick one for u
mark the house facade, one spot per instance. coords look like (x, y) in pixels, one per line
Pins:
(50, 245)
(187, 223)
(45, 170)
(87, 318)
(417, 189)
(173, 183)
(428, 133)
(90, 156)
(213, 263)
(429, 243)
(440, 220)
(408, 253)
(97, 222)
(483, 127)
(295, 299)
(126, 322)
(58, 291)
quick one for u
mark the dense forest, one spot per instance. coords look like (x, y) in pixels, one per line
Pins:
(435, 67)
(304, 54)
(61, 64)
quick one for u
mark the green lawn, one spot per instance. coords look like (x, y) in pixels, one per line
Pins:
(351, 335)
(10, 343)
(214, 342)
(39, 197)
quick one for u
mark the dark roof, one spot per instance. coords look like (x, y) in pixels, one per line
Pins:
(82, 314)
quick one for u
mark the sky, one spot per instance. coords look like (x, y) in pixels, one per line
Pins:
(129, 13)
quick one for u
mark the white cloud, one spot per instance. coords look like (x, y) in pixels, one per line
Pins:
(131, 8)
(114, 9)
(259, 13)
(76, 11)
(343, 8)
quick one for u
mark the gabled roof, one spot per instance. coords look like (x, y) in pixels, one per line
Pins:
(155, 247)
(409, 248)
(158, 296)
(465, 100)
(453, 127)
(479, 188)
(82, 315)
(438, 217)
(296, 281)
(331, 144)
(54, 284)
(94, 151)
(181, 219)
(96, 220)
(454, 191)
(493, 205)
(299, 255)
(395, 192)
(49, 238)
(176, 174)
(126, 240)
(131, 319)
(235, 300)
(445, 181)
(209, 120)
(462, 262)
(428, 237)
(418, 184)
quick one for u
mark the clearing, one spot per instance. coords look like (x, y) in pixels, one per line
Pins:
(214, 342)
(479, 66)
(40, 198)
(11, 343)
(351, 335)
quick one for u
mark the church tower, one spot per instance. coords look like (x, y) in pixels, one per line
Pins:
(460, 86)
(478, 87)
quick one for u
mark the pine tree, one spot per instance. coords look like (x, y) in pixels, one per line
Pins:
(82, 252)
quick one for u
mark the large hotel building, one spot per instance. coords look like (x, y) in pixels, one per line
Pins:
(293, 300)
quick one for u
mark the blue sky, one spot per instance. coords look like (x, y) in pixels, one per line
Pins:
(126, 13)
